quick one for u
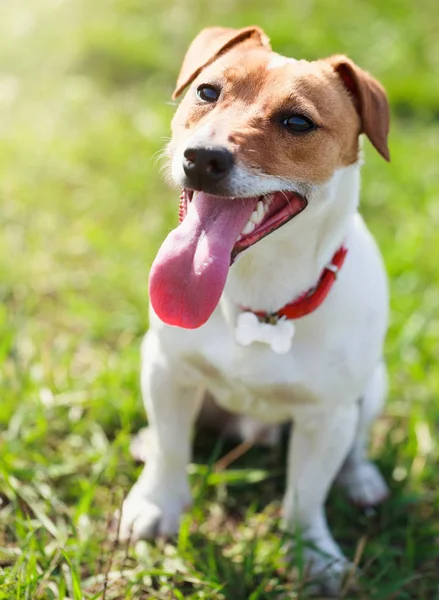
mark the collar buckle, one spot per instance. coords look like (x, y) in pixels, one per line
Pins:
(335, 269)
(269, 318)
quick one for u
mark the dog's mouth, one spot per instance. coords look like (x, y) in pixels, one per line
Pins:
(190, 270)
(271, 211)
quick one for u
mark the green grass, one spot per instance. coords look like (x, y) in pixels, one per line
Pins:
(84, 89)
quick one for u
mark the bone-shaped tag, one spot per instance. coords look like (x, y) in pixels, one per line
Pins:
(250, 329)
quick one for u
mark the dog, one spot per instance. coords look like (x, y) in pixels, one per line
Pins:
(271, 294)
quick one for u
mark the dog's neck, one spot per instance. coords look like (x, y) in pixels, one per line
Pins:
(289, 261)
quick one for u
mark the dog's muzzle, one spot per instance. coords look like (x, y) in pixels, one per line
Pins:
(204, 166)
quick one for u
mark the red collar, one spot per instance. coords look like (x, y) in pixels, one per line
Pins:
(310, 300)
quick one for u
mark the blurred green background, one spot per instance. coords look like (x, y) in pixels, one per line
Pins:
(84, 110)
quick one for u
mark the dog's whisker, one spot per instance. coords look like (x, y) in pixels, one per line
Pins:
(286, 198)
(158, 155)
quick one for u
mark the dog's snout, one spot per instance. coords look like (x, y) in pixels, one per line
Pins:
(206, 165)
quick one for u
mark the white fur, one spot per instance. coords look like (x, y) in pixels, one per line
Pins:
(333, 362)
(279, 61)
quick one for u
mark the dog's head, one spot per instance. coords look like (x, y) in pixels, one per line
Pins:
(253, 134)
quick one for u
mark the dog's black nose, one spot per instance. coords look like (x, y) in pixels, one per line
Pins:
(204, 166)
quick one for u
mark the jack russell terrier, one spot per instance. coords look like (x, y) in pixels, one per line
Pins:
(271, 293)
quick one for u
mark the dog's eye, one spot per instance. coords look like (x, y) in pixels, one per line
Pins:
(298, 123)
(207, 93)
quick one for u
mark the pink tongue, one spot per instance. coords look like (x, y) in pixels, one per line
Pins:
(190, 270)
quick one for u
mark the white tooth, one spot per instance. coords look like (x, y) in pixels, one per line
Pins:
(194, 195)
(239, 238)
(255, 217)
(248, 228)
(258, 214)
(267, 200)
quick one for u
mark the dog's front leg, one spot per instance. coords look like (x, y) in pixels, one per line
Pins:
(161, 494)
(318, 446)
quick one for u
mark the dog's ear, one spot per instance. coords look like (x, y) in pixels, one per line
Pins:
(370, 100)
(211, 43)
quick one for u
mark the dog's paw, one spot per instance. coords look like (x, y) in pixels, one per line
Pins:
(327, 575)
(325, 570)
(145, 516)
(364, 484)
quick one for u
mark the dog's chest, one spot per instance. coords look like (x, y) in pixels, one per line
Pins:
(253, 380)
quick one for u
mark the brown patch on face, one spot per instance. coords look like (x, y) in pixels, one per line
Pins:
(247, 118)
(210, 44)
